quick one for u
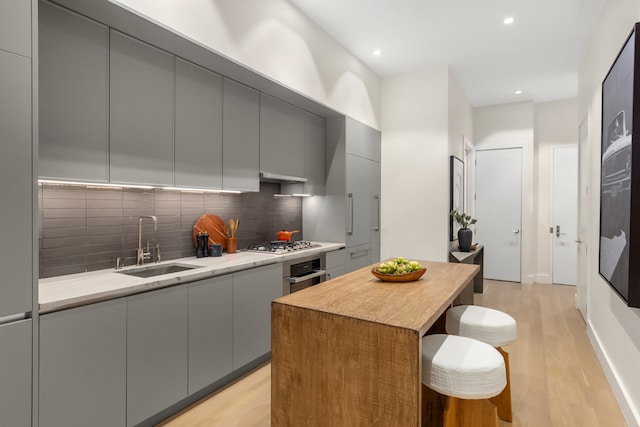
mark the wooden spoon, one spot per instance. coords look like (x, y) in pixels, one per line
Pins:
(232, 225)
(237, 225)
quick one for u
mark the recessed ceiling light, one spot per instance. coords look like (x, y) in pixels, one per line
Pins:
(377, 52)
(508, 20)
(518, 92)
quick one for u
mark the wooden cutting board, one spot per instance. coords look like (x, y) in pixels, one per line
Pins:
(212, 224)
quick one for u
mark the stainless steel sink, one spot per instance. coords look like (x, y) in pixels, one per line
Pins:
(157, 270)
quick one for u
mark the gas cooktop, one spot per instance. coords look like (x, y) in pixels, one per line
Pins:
(282, 247)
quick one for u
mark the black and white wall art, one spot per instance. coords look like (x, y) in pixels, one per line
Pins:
(619, 179)
(456, 189)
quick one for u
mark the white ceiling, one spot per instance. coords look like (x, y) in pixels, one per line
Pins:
(540, 53)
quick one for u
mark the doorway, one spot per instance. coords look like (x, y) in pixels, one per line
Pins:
(584, 219)
(499, 211)
(564, 214)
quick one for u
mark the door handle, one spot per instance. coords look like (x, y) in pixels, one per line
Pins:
(377, 199)
(515, 231)
(558, 233)
(350, 208)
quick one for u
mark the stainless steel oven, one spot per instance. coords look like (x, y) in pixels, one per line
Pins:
(303, 272)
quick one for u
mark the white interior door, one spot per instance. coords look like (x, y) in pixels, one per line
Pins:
(499, 211)
(565, 214)
(583, 218)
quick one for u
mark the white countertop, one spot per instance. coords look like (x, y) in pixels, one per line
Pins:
(57, 293)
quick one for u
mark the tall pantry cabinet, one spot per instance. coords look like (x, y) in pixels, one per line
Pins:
(350, 209)
(16, 220)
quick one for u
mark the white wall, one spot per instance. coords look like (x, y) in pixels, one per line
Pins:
(512, 125)
(415, 165)
(460, 119)
(613, 327)
(555, 123)
(274, 38)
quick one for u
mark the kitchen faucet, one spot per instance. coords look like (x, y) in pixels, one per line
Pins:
(142, 255)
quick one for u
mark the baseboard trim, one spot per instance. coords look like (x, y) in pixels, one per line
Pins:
(630, 413)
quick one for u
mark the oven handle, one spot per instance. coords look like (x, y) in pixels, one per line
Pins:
(316, 273)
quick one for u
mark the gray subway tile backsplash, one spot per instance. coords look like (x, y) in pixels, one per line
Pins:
(86, 228)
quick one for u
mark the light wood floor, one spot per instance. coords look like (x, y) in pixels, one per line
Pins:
(555, 376)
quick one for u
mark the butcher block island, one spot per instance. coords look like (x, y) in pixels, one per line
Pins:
(347, 352)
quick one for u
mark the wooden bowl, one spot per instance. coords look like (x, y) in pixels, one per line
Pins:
(407, 277)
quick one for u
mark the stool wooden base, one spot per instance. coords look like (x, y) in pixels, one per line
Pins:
(469, 413)
(440, 410)
(503, 400)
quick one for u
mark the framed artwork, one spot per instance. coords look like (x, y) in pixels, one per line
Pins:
(456, 192)
(620, 174)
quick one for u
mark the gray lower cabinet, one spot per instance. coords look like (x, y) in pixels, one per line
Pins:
(15, 26)
(73, 96)
(210, 331)
(241, 137)
(282, 134)
(336, 263)
(83, 366)
(141, 111)
(15, 373)
(198, 139)
(157, 330)
(359, 257)
(17, 188)
(253, 291)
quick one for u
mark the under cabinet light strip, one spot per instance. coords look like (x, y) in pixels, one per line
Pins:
(144, 187)
(94, 184)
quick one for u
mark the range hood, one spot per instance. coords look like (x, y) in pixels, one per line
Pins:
(273, 177)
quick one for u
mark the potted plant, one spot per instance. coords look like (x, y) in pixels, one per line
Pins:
(465, 235)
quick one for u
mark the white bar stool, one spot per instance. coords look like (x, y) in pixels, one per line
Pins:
(490, 326)
(468, 372)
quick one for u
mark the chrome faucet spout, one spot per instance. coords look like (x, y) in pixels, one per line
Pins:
(141, 255)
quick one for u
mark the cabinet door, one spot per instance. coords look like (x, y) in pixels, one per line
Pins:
(240, 137)
(198, 143)
(141, 112)
(16, 252)
(358, 257)
(375, 211)
(73, 100)
(282, 131)
(359, 200)
(210, 331)
(253, 291)
(15, 373)
(15, 26)
(314, 154)
(362, 140)
(156, 351)
(83, 366)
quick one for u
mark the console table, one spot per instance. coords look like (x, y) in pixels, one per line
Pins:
(474, 257)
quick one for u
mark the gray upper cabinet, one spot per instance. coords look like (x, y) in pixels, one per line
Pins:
(15, 373)
(240, 137)
(253, 291)
(83, 366)
(210, 331)
(282, 138)
(16, 252)
(73, 101)
(314, 154)
(141, 112)
(198, 139)
(15, 26)
(157, 331)
(362, 140)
